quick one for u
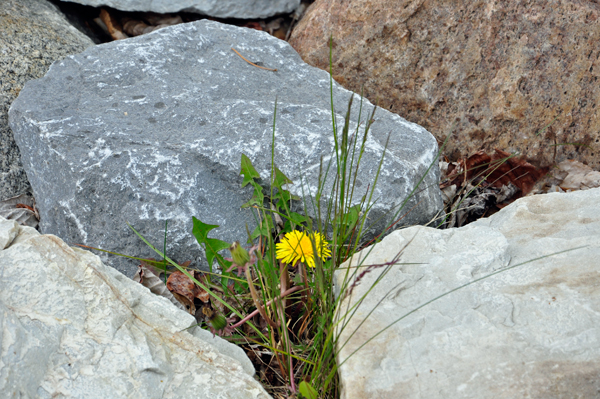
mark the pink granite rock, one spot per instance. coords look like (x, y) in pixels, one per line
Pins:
(495, 73)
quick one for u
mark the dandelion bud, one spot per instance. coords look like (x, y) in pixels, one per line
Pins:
(239, 254)
(218, 321)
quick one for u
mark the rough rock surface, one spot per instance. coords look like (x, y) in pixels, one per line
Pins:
(73, 327)
(244, 9)
(152, 128)
(33, 34)
(494, 73)
(529, 332)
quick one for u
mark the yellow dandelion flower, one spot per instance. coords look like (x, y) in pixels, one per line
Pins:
(297, 245)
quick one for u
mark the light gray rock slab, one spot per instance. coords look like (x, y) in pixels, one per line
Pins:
(528, 332)
(33, 34)
(152, 128)
(73, 327)
(243, 9)
(8, 231)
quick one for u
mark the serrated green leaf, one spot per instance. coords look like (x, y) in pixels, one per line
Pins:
(350, 217)
(293, 221)
(280, 178)
(285, 196)
(307, 390)
(201, 229)
(260, 231)
(211, 245)
(216, 244)
(264, 229)
(248, 171)
(297, 218)
(258, 198)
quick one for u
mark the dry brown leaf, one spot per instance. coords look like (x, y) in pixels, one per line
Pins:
(569, 175)
(20, 209)
(476, 164)
(152, 281)
(514, 170)
(499, 170)
(186, 303)
(481, 184)
(185, 290)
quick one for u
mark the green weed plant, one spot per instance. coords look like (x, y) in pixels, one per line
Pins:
(280, 310)
(284, 312)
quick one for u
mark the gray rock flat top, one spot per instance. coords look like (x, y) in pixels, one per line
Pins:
(530, 332)
(33, 34)
(153, 128)
(73, 327)
(244, 9)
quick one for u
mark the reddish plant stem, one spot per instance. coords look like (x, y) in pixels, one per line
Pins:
(305, 280)
(256, 300)
(284, 278)
(251, 315)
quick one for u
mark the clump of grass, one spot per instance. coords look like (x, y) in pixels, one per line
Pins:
(286, 297)
(276, 298)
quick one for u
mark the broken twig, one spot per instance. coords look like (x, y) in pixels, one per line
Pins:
(251, 63)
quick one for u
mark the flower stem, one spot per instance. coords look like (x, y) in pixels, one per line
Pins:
(251, 315)
(254, 294)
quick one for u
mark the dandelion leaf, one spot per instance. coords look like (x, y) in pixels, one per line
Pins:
(280, 178)
(307, 390)
(248, 171)
(211, 245)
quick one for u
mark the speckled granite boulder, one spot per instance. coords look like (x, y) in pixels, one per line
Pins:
(33, 34)
(71, 327)
(528, 332)
(494, 73)
(243, 9)
(152, 128)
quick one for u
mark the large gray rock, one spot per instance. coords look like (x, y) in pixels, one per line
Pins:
(33, 34)
(152, 129)
(529, 332)
(73, 327)
(244, 9)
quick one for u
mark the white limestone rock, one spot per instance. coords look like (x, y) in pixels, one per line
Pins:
(8, 231)
(243, 9)
(73, 327)
(529, 332)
